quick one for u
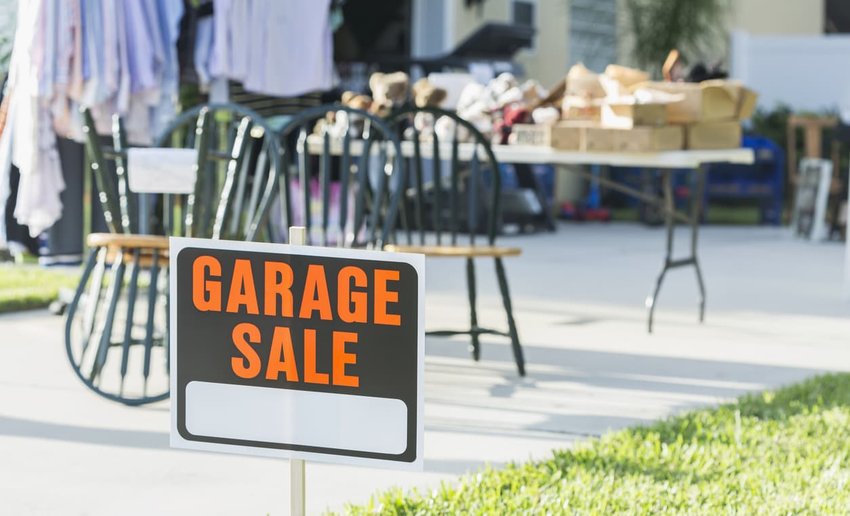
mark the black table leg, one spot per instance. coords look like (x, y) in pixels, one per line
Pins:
(526, 178)
(697, 200)
(669, 221)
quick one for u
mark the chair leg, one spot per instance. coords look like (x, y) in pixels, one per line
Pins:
(71, 311)
(473, 314)
(117, 280)
(506, 299)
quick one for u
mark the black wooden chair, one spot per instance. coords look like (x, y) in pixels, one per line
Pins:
(116, 331)
(450, 203)
(342, 181)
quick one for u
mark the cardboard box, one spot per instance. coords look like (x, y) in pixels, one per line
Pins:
(650, 139)
(747, 104)
(627, 116)
(701, 104)
(708, 101)
(714, 135)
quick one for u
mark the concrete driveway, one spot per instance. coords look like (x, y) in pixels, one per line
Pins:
(775, 316)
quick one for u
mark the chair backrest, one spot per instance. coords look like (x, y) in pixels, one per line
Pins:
(463, 199)
(237, 168)
(342, 177)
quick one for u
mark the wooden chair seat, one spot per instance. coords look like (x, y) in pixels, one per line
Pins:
(128, 243)
(446, 251)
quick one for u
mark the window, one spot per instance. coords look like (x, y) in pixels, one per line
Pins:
(593, 33)
(524, 12)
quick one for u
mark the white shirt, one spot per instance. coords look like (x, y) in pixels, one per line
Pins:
(281, 48)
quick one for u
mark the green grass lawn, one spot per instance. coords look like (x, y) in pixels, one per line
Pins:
(24, 287)
(782, 452)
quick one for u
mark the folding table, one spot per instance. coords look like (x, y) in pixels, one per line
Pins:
(694, 160)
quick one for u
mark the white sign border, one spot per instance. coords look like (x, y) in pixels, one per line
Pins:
(417, 261)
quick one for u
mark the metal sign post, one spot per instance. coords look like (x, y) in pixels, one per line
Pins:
(297, 467)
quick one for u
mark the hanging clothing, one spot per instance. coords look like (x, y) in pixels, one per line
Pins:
(31, 144)
(113, 56)
(282, 48)
(169, 14)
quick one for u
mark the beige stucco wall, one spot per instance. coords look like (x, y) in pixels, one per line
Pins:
(777, 16)
(469, 19)
(548, 61)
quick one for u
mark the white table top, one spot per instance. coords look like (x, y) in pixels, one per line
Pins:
(546, 155)
(666, 159)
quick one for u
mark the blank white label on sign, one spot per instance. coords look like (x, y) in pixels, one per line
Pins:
(161, 170)
(328, 420)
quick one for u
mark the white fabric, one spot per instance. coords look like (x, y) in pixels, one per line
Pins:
(31, 136)
(282, 48)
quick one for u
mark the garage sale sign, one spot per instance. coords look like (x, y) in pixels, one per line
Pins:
(299, 352)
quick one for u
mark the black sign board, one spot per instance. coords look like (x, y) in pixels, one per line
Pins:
(300, 352)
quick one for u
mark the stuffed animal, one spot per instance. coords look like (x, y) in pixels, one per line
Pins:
(425, 94)
(532, 93)
(476, 105)
(337, 123)
(501, 84)
(357, 100)
(513, 114)
(546, 115)
(388, 90)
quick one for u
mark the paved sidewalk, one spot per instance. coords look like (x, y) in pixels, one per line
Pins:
(775, 316)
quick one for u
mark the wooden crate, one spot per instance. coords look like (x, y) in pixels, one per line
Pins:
(531, 134)
(561, 136)
(566, 136)
(638, 139)
(577, 136)
(650, 139)
(714, 135)
(598, 139)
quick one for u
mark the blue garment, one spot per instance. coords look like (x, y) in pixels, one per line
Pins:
(169, 15)
(93, 52)
(140, 46)
(85, 25)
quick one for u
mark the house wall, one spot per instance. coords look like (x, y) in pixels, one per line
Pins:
(801, 17)
(547, 62)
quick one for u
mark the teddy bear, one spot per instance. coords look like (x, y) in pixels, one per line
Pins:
(389, 90)
(425, 94)
(337, 123)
